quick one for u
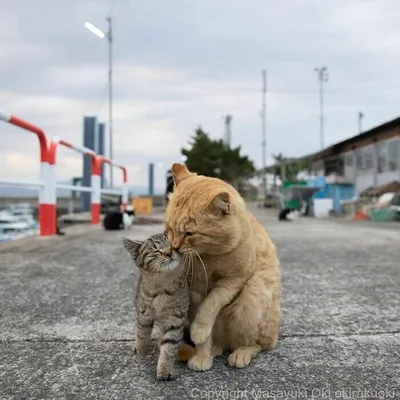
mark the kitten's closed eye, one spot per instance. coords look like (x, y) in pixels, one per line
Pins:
(167, 252)
(189, 233)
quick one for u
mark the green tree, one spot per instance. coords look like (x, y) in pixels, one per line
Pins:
(214, 158)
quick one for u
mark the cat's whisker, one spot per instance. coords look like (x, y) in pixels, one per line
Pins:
(194, 272)
(159, 265)
(154, 268)
(189, 263)
(191, 274)
(155, 224)
(204, 268)
(185, 262)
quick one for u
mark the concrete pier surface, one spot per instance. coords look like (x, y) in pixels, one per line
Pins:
(66, 320)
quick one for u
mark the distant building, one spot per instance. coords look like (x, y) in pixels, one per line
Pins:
(371, 158)
(93, 138)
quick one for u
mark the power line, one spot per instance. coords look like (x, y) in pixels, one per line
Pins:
(205, 87)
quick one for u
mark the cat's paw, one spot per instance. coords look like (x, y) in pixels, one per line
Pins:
(240, 358)
(165, 373)
(142, 349)
(200, 363)
(199, 332)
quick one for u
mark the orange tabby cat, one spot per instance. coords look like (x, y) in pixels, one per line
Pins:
(241, 311)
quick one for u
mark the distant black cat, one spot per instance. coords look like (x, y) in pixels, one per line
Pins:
(289, 214)
(116, 220)
(283, 214)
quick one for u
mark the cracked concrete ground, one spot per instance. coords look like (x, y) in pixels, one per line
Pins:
(66, 328)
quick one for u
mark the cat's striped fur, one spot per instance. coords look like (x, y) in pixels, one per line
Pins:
(162, 298)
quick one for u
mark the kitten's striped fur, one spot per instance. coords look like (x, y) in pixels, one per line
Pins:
(162, 298)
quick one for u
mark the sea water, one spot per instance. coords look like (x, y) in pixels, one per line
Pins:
(8, 236)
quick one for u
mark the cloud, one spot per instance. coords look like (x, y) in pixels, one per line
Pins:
(178, 65)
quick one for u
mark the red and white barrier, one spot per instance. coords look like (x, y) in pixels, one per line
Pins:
(44, 206)
(96, 184)
(47, 185)
(55, 142)
(95, 202)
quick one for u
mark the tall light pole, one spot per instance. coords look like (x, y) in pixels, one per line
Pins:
(322, 77)
(264, 132)
(110, 97)
(109, 37)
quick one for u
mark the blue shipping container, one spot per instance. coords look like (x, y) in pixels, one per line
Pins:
(321, 182)
(338, 192)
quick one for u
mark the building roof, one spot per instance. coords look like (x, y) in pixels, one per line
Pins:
(370, 134)
(338, 147)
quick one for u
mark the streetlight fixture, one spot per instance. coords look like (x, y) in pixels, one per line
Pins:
(99, 33)
(95, 30)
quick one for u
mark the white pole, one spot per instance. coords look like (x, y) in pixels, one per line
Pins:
(264, 132)
(110, 99)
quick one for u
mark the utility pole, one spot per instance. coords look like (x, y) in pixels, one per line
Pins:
(360, 117)
(228, 134)
(110, 97)
(322, 77)
(96, 31)
(264, 131)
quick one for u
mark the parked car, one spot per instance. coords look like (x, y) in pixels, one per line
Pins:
(271, 200)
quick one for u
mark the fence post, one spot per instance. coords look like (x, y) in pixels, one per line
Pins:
(44, 208)
(95, 198)
(52, 189)
(47, 207)
(124, 200)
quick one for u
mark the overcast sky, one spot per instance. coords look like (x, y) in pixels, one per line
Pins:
(179, 64)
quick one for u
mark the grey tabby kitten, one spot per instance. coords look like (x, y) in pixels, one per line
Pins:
(162, 297)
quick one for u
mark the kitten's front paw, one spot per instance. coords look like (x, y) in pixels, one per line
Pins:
(200, 363)
(199, 332)
(165, 373)
(142, 349)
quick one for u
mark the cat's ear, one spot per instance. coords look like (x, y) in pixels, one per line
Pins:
(221, 204)
(133, 247)
(179, 173)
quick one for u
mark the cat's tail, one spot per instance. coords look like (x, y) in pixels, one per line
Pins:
(185, 352)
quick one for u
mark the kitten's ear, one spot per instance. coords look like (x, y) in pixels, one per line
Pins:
(221, 204)
(132, 247)
(179, 173)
